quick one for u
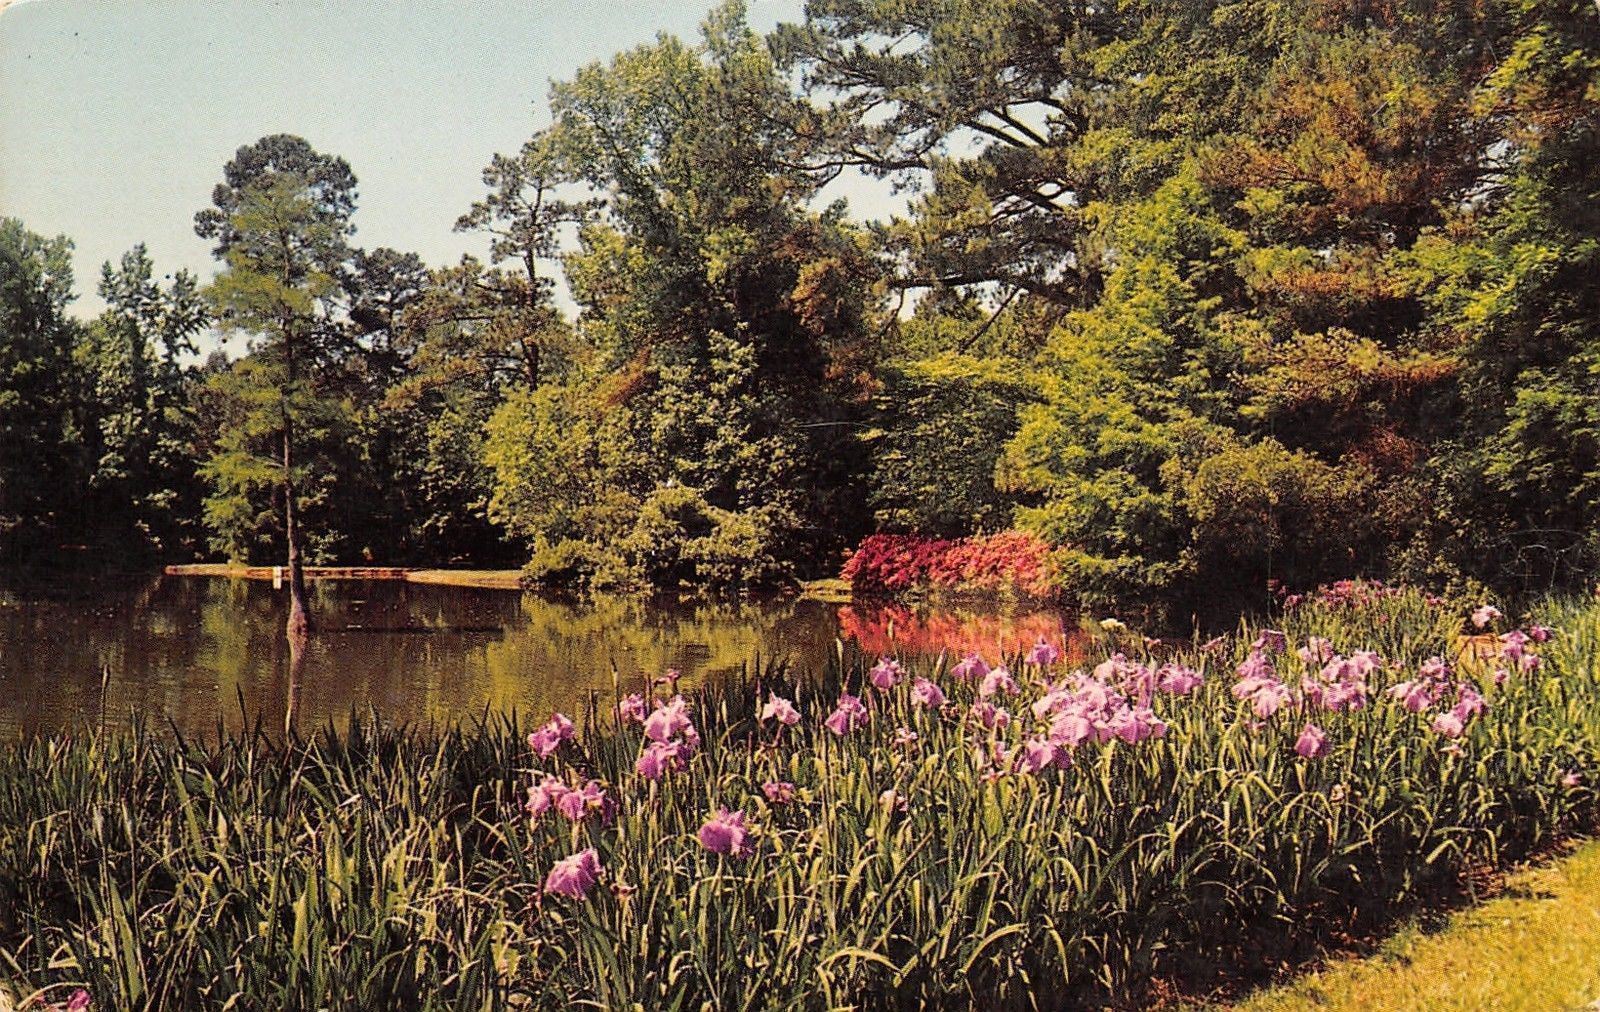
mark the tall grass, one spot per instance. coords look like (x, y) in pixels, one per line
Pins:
(383, 867)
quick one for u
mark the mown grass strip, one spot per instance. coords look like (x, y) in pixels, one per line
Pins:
(1536, 947)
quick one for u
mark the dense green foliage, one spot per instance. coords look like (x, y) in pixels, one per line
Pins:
(1205, 295)
(375, 868)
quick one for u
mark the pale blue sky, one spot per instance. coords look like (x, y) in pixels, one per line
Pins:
(117, 116)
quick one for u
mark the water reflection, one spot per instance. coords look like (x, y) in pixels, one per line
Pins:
(204, 652)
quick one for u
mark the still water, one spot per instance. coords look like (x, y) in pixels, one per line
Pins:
(200, 652)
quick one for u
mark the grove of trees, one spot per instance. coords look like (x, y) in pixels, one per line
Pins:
(1203, 295)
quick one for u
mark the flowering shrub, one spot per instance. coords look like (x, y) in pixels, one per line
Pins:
(1012, 561)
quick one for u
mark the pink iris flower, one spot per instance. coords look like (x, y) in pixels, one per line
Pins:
(590, 800)
(1177, 679)
(1271, 641)
(970, 667)
(779, 792)
(1312, 743)
(1538, 633)
(1256, 665)
(668, 719)
(904, 737)
(660, 758)
(1449, 724)
(548, 738)
(574, 876)
(724, 832)
(1316, 651)
(886, 674)
(998, 680)
(1484, 614)
(1044, 654)
(1270, 698)
(1469, 702)
(543, 796)
(779, 709)
(631, 709)
(1135, 725)
(1416, 695)
(926, 693)
(1069, 730)
(1035, 756)
(990, 716)
(1572, 780)
(848, 715)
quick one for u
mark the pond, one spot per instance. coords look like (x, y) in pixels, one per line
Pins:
(203, 651)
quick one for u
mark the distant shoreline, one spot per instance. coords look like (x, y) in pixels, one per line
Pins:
(832, 591)
(490, 579)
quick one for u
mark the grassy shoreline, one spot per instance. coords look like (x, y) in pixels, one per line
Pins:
(917, 857)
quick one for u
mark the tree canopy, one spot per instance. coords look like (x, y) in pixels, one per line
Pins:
(1206, 297)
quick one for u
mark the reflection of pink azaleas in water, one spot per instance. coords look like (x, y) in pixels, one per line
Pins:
(896, 628)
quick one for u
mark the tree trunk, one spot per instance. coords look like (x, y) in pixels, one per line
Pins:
(299, 614)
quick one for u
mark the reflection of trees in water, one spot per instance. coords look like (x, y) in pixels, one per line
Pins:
(561, 649)
(885, 628)
(189, 649)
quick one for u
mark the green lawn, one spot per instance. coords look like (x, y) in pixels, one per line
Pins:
(1536, 947)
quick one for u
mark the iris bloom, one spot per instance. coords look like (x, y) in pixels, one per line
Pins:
(590, 800)
(1484, 614)
(668, 720)
(1269, 697)
(886, 674)
(1469, 702)
(1135, 725)
(631, 709)
(1416, 695)
(848, 715)
(779, 792)
(1316, 651)
(1449, 724)
(926, 693)
(1256, 664)
(1035, 756)
(998, 680)
(1069, 730)
(990, 716)
(1312, 743)
(1271, 641)
(543, 796)
(1177, 679)
(970, 667)
(904, 737)
(660, 758)
(1044, 654)
(574, 876)
(724, 832)
(548, 738)
(779, 709)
